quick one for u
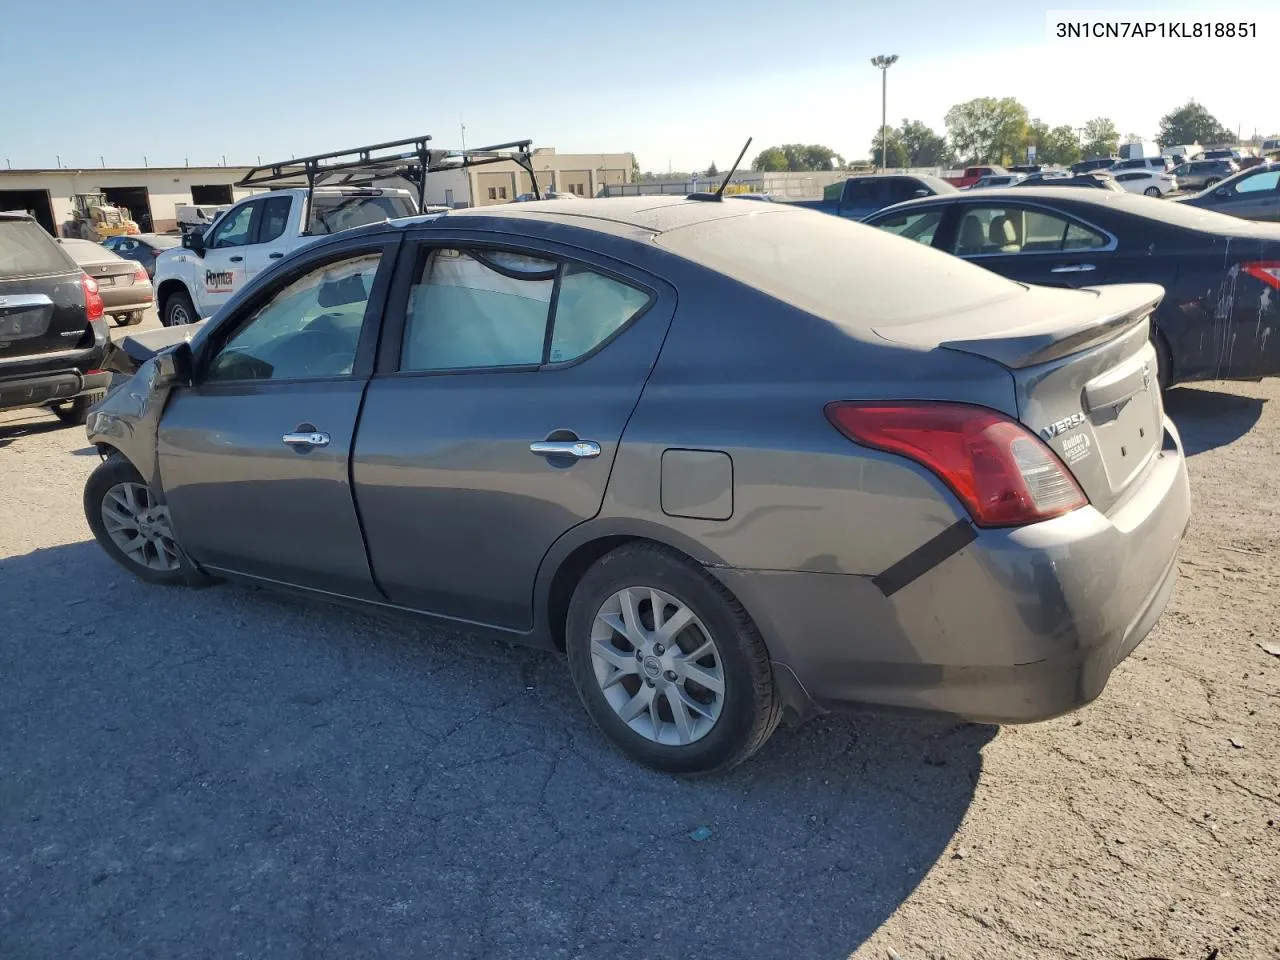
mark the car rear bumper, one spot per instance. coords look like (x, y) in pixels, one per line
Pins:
(1019, 625)
(137, 296)
(35, 391)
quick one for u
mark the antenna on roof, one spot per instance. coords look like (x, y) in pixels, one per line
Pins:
(719, 194)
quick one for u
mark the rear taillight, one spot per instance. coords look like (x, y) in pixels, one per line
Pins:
(1003, 474)
(93, 306)
(1268, 271)
(140, 274)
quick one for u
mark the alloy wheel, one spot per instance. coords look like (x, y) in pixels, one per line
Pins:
(140, 526)
(178, 316)
(657, 666)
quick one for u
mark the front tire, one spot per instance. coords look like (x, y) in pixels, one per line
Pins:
(1152, 191)
(178, 310)
(130, 523)
(1211, 181)
(668, 663)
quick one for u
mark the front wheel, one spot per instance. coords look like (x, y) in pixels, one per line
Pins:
(131, 524)
(1152, 191)
(668, 663)
(1211, 181)
(178, 310)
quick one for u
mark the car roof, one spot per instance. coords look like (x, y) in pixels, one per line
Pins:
(15, 215)
(646, 216)
(86, 251)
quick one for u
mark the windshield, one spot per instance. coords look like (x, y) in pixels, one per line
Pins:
(842, 271)
(333, 212)
(159, 242)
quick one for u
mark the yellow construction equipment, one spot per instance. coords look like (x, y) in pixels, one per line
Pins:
(96, 219)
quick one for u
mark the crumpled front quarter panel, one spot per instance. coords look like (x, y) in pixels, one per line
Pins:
(128, 420)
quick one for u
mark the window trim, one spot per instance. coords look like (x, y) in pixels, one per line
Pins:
(963, 206)
(366, 346)
(260, 216)
(420, 245)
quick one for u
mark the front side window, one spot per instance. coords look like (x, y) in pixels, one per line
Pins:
(1259, 183)
(307, 330)
(914, 226)
(479, 309)
(233, 230)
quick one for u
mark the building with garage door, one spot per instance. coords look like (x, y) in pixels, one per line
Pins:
(152, 194)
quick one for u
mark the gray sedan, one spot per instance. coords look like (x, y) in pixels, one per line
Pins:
(735, 460)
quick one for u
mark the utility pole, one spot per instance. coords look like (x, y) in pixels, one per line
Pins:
(884, 63)
(464, 135)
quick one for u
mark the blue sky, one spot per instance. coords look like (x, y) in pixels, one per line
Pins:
(678, 83)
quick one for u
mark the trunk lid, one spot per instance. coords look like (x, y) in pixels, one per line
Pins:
(1084, 373)
(41, 297)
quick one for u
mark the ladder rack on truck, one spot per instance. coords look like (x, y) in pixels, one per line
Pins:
(361, 166)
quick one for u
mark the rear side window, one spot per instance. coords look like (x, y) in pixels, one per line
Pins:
(275, 216)
(473, 309)
(333, 212)
(27, 251)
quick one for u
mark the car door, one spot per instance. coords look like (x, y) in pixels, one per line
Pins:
(1029, 243)
(254, 456)
(507, 374)
(269, 243)
(222, 270)
(1254, 197)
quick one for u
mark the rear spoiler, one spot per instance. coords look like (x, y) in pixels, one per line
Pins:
(410, 160)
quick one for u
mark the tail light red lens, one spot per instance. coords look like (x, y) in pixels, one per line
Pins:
(140, 274)
(1003, 474)
(93, 305)
(1268, 271)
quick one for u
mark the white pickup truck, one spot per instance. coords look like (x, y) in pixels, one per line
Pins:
(193, 280)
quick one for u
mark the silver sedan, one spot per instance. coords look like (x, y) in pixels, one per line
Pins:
(734, 460)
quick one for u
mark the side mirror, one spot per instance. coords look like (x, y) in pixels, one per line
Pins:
(922, 193)
(174, 366)
(1221, 192)
(194, 241)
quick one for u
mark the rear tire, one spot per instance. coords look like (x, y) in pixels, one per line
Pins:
(1164, 362)
(1211, 181)
(129, 523)
(653, 675)
(1152, 191)
(74, 412)
(129, 319)
(178, 310)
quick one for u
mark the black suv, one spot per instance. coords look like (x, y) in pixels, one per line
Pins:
(53, 336)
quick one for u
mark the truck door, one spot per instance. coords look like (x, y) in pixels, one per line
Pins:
(222, 269)
(273, 237)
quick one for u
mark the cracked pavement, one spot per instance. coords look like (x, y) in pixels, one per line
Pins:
(237, 773)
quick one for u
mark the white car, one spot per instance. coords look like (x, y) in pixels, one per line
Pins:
(1001, 180)
(1154, 183)
(193, 280)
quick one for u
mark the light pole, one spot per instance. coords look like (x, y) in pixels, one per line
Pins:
(884, 63)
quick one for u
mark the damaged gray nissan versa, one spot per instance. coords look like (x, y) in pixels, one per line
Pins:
(733, 459)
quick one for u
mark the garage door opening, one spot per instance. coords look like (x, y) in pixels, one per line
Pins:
(35, 202)
(212, 196)
(136, 201)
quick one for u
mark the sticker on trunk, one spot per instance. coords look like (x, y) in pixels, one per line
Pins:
(1075, 449)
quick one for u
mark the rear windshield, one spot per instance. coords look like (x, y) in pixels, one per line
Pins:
(837, 269)
(331, 212)
(27, 251)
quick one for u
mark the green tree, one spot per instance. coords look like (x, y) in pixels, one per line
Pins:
(797, 156)
(713, 170)
(1059, 146)
(1192, 123)
(1101, 139)
(770, 160)
(1037, 133)
(897, 155)
(924, 147)
(987, 130)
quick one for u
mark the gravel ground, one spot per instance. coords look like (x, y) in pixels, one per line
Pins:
(233, 773)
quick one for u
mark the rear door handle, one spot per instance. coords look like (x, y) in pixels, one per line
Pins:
(276, 256)
(1074, 268)
(312, 439)
(582, 449)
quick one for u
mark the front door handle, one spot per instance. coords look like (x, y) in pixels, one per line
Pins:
(275, 256)
(237, 259)
(582, 449)
(1074, 268)
(312, 439)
